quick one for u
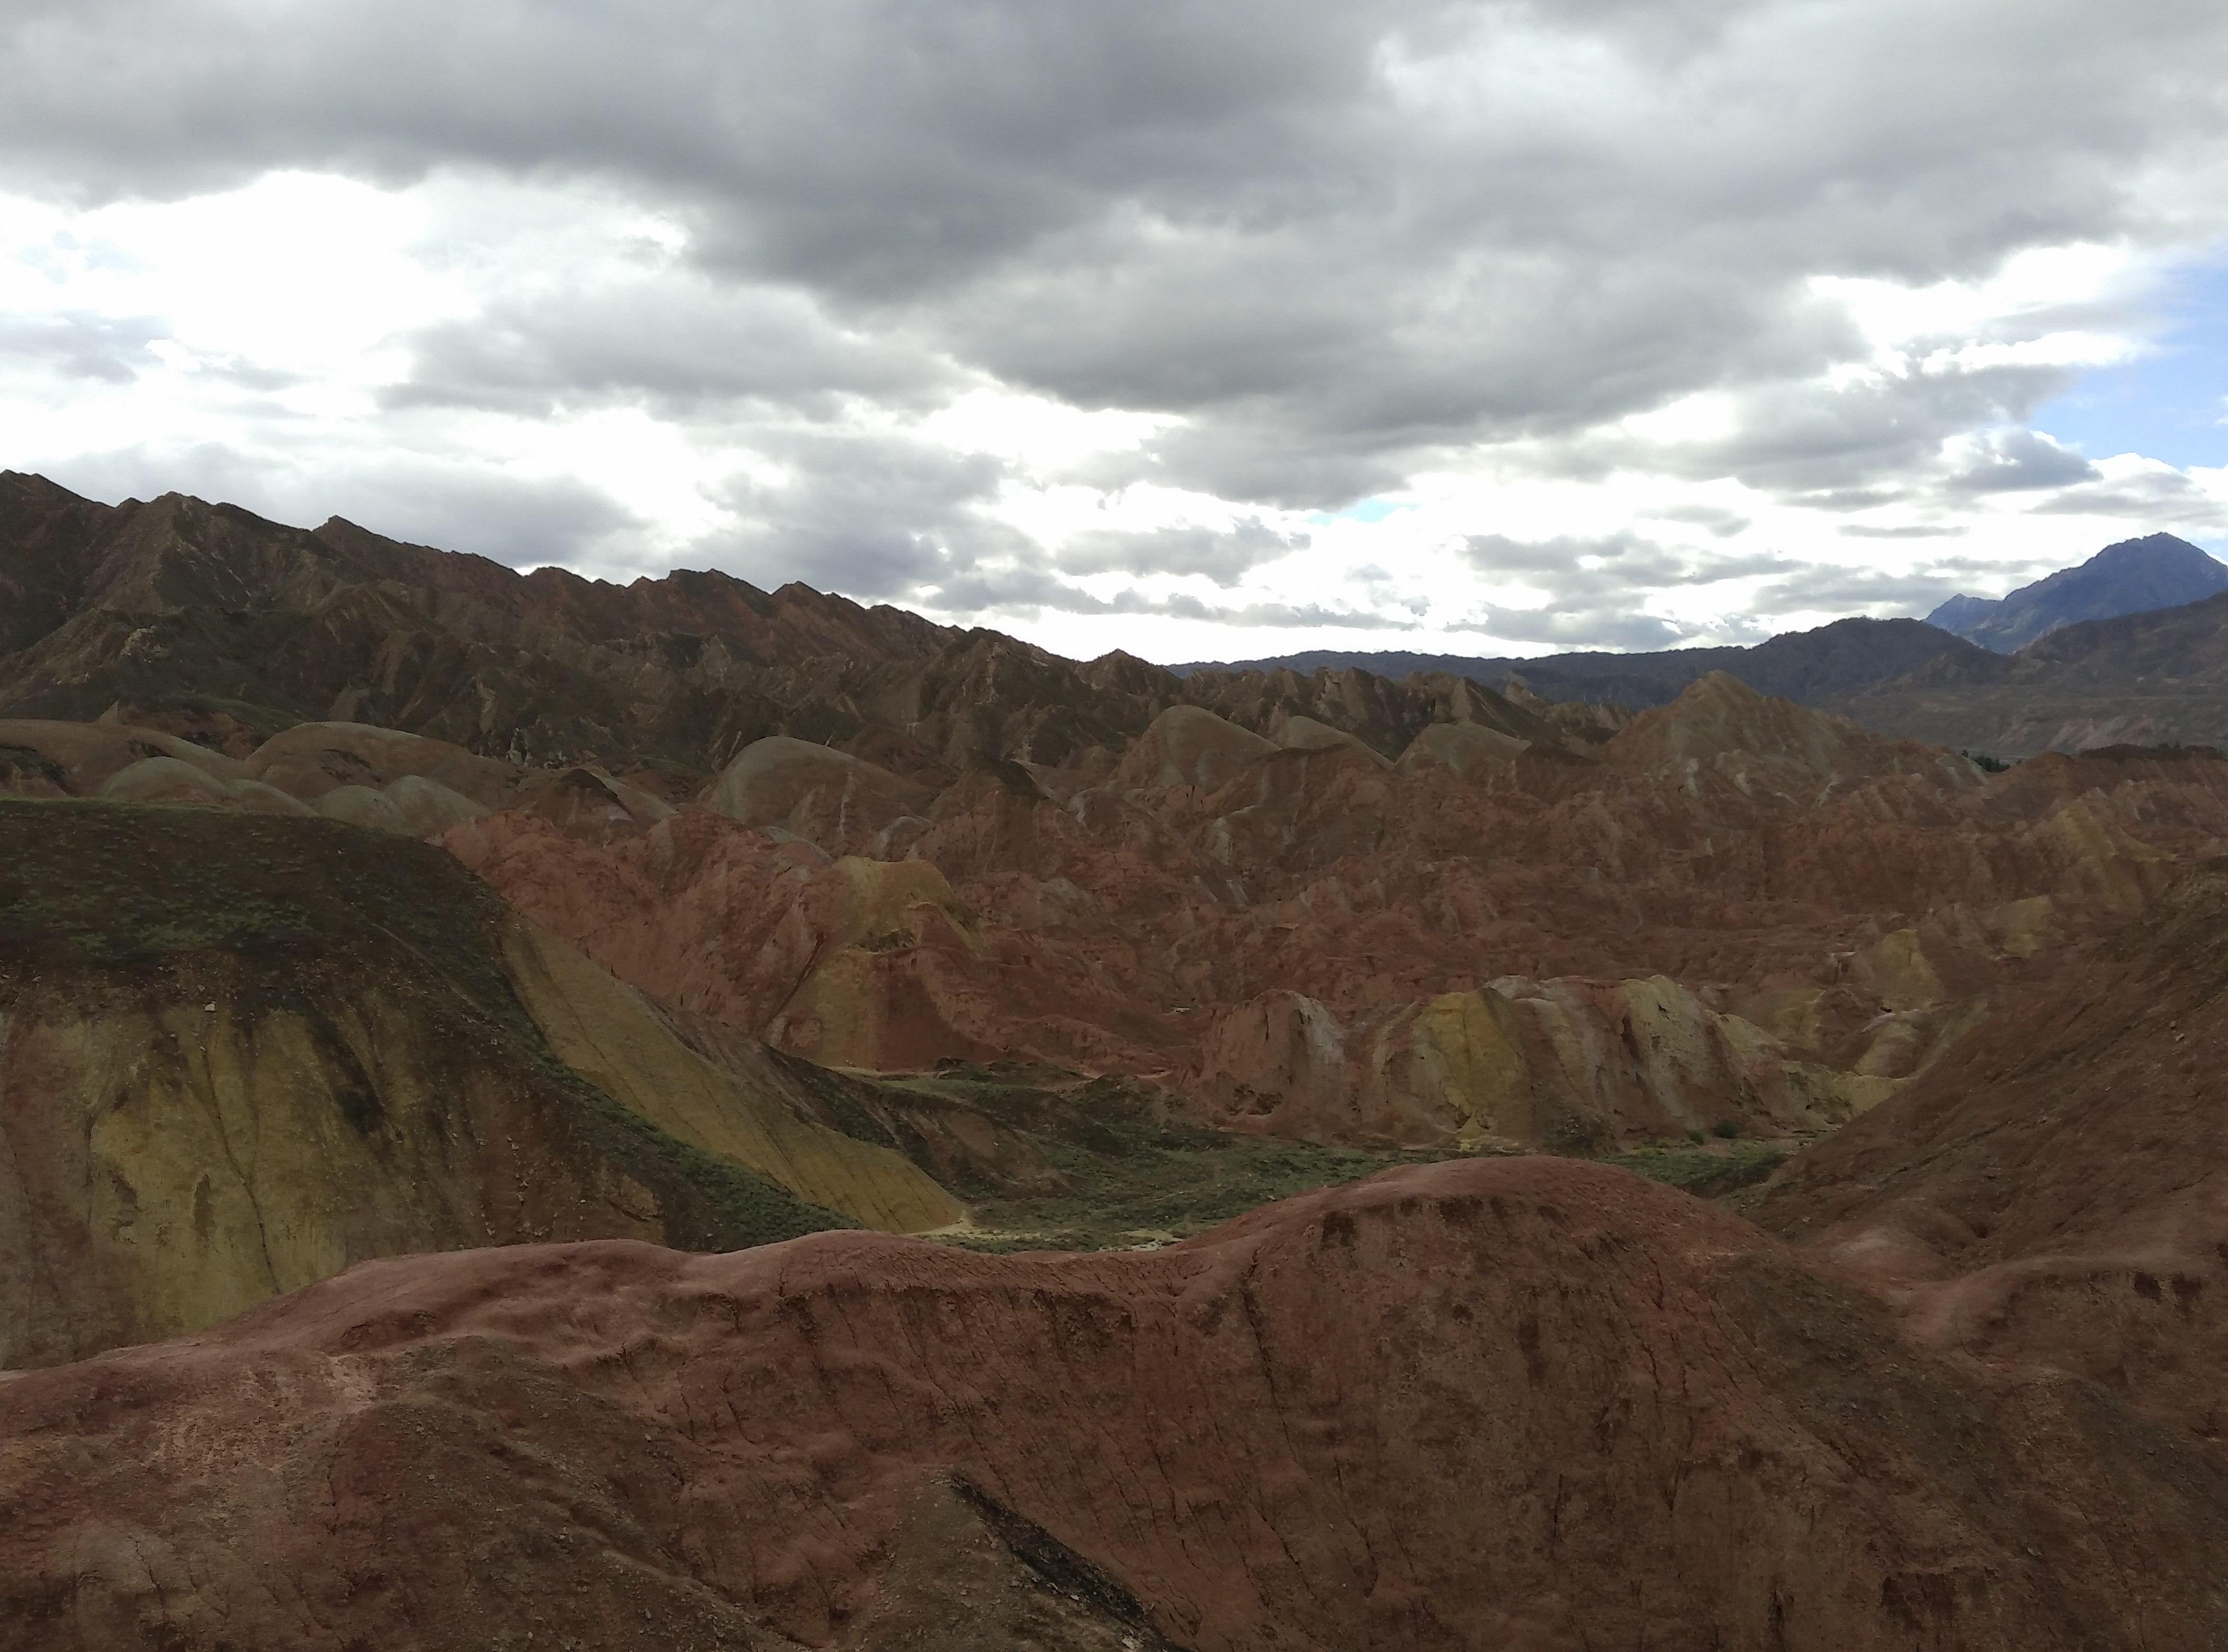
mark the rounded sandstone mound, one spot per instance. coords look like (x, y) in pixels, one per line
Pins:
(1464, 747)
(1187, 745)
(838, 800)
(1482, 1403)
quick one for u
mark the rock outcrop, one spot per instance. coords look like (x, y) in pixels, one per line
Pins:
(1186, 745)
(2056, 1188)
(841, 801)
(1612, 1417)
(1570, 1064)
(238, 1054)
(1742, 912)
(368, 776)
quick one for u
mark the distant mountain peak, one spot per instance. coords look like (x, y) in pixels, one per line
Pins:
(2131, 577)
(1962, 611)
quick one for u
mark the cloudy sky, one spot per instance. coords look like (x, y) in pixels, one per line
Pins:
(1207, 329)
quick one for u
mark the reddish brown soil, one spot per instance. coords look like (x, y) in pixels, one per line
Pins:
(1505, 1404)
(1753, 852)
(2057, 1187)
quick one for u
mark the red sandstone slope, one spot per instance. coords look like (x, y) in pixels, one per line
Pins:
(1514, 1404)
(2057, 1188)
(1744, 910)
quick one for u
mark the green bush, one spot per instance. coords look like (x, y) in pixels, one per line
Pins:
(1725, 1129)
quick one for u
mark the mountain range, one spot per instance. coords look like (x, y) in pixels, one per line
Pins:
(2129, 647)
(1812, 666)
(2134, 576)
(535, 1112)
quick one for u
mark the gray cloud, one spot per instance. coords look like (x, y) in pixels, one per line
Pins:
(1025, 590)
(2018, 461)
(2155, 496)
(1189, 206)
(1723, 523)
(1588, 626)
(1344, 241)
(1601, 587)
(1626, 562)
(675, 341)
(1607, 600)
(870, 513)
(81, 346)
(1221, 556)
(522, 521)
(1822, 587)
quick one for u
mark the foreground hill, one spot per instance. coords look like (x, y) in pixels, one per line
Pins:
(1612, 1417)
(2057, 1188)
(2134, 576)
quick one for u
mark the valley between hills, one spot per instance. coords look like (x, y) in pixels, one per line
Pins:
(536, 1113)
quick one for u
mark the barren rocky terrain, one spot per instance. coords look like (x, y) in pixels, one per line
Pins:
(536, 1114)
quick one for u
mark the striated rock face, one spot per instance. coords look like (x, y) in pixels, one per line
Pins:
(854, 962)
(238, 1054)
(1751, 738)
(1567, 1064)
(1188, 746)
(1464, 747)
(1743, 913)
(605, 1031)
(841, 801)
(366, 775)
(2056, 1188)
(1483, 1404)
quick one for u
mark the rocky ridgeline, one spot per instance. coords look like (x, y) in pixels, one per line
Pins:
(358, 902)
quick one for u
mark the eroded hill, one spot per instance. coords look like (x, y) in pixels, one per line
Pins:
(1511, 1403)
(209, 622)
(1739, 913)
(238, 1054)
(2056, 1190)
(358, 902)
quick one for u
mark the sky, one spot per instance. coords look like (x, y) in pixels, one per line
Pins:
(1202, 330)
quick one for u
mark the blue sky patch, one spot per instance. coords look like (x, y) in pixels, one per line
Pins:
(1362, 510)
(2169, 405)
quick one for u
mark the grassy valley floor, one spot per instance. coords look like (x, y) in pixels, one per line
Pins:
(1133, 1178)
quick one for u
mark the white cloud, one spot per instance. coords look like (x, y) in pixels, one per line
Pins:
(1098, 325)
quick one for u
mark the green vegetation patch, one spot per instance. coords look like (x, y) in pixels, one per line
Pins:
(119, 887)
(1135, 1172)
(1725, 1166)
(1136, 1175)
